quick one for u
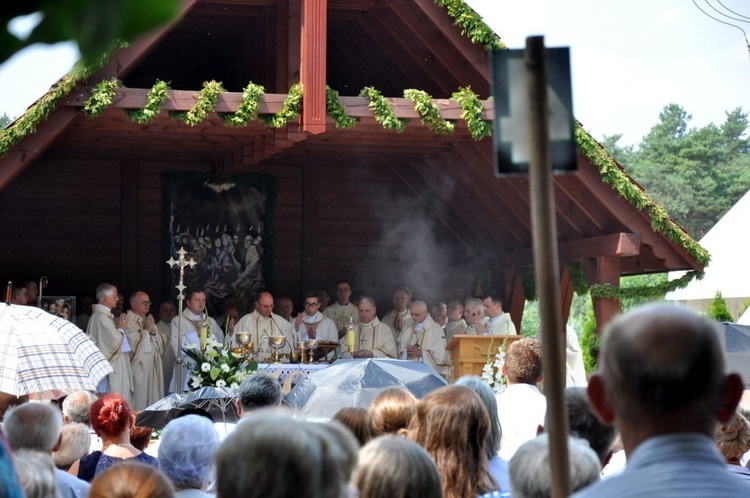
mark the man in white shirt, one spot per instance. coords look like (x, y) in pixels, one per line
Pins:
(499, 322)
(521, 407)
(474, 321)
(342, 311)
(262, 324)
(399, 318)
(424, 340)
(373, 338)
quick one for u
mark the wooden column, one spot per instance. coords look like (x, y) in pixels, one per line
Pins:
(313, 65)
(513, 299)
(604, 270)
(566, 294)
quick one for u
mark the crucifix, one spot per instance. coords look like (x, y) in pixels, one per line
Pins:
(181, 262)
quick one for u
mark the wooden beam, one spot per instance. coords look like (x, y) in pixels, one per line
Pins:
(566, 294)
(514, 301)
(604, 270)
(313, 64)
(618, 244)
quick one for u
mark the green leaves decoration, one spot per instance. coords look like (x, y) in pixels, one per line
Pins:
(383, 110)
(206, 103)
(337, 110)
(290, 110)
(429, 111)
(102, 96)
(154, 103)
(248, 109)
(471, 24)
(472, 113)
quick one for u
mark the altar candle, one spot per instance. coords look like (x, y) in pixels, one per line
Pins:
(203, 336)
(350, 339)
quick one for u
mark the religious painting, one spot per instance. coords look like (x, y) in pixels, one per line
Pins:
(62, 306)
(224, 224)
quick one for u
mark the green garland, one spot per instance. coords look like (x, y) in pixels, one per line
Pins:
(471, 24)
(472, 113)
(206, 103)
(101, 97)
(289, 111)
(429, 112)
(644, 292)
(612, 174)
(337, 110)
(578, 277)
(383, 111)
(154, 103)
(248, 109)
(528, 283)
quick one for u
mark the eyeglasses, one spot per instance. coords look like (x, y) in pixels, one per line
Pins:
(146, 302)
(312, 304)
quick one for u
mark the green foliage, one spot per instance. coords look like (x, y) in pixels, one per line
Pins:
(697, 174)
(429, 112)
(622, 155)
(206, 103)
(382, 108)
(102, 96)
(5, 120)
(590, 342)
(531, 322)
(719, 310)
(289, 111)
(472, 113)
(471, 24)
(92, 24)
(248, 109)
(650, 291)
(154, 102)
(337, 110)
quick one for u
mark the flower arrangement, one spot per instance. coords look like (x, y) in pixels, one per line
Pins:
(217, 365)
(492, 372)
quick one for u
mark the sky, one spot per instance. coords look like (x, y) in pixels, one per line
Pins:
(629, 59)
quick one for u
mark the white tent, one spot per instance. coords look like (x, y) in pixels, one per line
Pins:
(745, 318)
(729, 271)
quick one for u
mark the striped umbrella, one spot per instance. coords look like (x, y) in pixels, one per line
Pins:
(41, 352)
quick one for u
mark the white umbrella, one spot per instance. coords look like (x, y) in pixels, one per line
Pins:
(40, 352)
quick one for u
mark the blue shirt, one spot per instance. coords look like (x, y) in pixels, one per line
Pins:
(675, 465)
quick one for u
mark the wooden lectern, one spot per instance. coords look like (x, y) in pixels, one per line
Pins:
(469, 352)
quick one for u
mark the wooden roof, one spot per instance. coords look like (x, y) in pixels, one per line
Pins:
(387, 44)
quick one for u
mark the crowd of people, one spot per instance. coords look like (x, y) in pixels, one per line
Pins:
(661, 394)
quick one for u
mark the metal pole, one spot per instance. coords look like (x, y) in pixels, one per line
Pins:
(546, 264)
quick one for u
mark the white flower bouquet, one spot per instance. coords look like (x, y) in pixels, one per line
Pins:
(217, 365)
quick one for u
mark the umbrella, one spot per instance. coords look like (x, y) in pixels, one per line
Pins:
(737, 349)
(160, 413)
(40, 352)
(355, 383)
(219, 402)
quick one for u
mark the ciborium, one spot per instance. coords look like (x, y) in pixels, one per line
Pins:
(311, 345)
(245, 345)
(302, 348)
(277, 342)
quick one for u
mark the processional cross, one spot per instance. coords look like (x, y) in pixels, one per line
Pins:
(181, 262)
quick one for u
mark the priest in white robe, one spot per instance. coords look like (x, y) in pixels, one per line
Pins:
(424, 341)
(147, 347)
(263, 323)
(372, 338)
(192, 316)
(167, 312)
(111, 341)
(474, 322)
(311, 324)
(399, 318)
(499, 322)
(342, 312)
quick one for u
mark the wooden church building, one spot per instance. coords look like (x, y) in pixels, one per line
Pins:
(318, 91)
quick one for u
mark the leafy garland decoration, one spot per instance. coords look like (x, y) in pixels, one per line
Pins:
(429, 112)
(337, 110)
(289, 111)
(471, 24)
(383, 111)
(248, 109)
(205, 104)
(101, 97)
(613, 174)
(578, 277)
(472, 113)
(645, 292)
(154, 103)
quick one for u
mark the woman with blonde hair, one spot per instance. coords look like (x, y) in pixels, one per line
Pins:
(394, 467)
(131, 480)
(733, 441)
(452, 424)
(112, 420)
(391, 411)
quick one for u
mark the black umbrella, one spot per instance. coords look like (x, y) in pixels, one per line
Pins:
(355, 383)
(160, 413)
(219, 402)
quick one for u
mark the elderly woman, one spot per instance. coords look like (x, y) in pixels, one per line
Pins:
(112, 420)
(733, 441)
(131, 480)
(186, 454)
